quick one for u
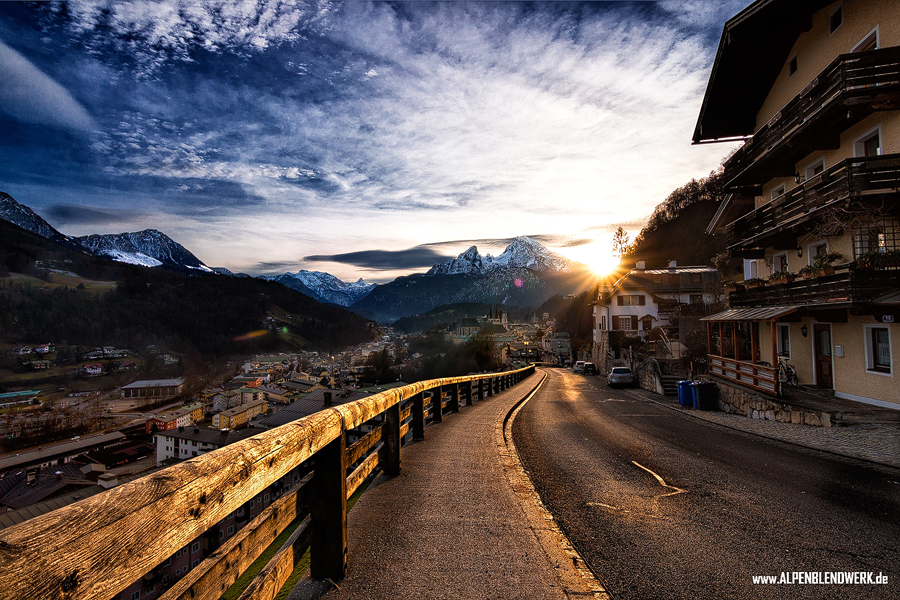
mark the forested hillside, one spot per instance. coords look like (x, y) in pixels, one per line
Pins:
(215, 315)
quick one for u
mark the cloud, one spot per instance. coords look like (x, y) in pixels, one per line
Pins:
(74, 214)
(411, 258)
(29, 95)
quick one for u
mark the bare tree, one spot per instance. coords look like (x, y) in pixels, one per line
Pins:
(620, 243)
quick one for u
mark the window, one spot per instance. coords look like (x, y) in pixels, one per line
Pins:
(878, 349)
(195, 547)
(266, 498)
(778, 192)
(868, 144)
(876, 235)
(696, 278)
(792, 66)
(251, 504)
(136, 595)
(696, 298)
(815, 168)
(751, 269)
(195, 563)
(625, 323)
(603, 322)
(221, 534)
(178, 571)
(178, 553)
(870, 42)
(835, 20)
(816, 250)
(779, 263)
(631, 300)
(230, 529)
(784, 340)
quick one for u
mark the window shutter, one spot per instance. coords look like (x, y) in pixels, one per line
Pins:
(642, 300)
(634, 320)
(620, 300)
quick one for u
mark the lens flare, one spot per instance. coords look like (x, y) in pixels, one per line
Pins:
(251, 335)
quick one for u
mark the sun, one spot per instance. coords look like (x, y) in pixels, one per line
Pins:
(603, 264)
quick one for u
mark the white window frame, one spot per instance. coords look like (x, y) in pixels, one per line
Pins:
(136, 595)
(870, 359)
(777, 192)
(751, 268)
(810, 254)
(858, 151)
(775, 258)
(867, 38)
(808, 171)
(195, 547)
(230, 529)
(838, 9)
(781, 329)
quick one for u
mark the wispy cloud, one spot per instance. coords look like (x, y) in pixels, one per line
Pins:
(32, 96)
(411, 258)
(76, 214)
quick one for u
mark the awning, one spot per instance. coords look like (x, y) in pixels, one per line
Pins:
(766, 313)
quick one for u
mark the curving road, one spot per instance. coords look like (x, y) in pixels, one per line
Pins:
(661, 505)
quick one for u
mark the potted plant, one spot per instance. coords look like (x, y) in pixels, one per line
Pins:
(877, 260)
(782, 277)
(754, 282)
(821, 265)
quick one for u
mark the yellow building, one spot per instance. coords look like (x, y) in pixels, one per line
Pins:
(813, 90)
(239, 415)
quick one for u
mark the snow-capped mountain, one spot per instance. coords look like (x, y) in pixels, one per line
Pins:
(325, 287)
(24, 217)
(148, 248)
(522, 253)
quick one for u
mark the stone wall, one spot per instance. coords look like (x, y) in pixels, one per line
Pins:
(648, 378)
(739, 400)
(600, 352)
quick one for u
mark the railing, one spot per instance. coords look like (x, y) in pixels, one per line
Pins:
(97, 547)
(852, 177)
(852, 286)
(850, 80)
(756, 376)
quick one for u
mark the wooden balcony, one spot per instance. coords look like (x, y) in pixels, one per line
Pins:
(875, 178)
(847, 287)
(852, 87)
(759, 377)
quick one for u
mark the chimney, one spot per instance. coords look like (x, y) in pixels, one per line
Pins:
(673, 265)
(327, 396)
(640, 265)
(108, 480)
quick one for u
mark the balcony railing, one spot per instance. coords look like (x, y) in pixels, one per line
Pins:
(95, 548)
(851, 178)
(861, 81)
(852, 286)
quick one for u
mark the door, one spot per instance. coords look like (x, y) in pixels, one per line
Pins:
(822, 337)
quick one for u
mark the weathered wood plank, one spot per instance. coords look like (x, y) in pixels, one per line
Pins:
(405, 413)
(392, 439)
(114, 543)
(404, 429)
(328, 551)
(357, 450)
(267, 584)
(355, 479)
(210, 579)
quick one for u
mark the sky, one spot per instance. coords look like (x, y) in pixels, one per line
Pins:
(361, 139)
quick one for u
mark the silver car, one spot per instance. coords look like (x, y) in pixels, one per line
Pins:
(620, 376)
(579, 366)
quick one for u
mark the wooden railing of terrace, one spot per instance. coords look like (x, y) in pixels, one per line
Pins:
(97, 547)
(756, 376)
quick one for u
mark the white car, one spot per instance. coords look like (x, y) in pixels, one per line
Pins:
(579, 366)
(620, 376)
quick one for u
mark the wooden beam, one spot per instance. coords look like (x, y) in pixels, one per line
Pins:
(328, 550)
(268, 582)
(391, 436)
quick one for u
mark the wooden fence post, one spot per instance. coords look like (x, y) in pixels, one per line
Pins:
(454, 398)
(437, 400)
(390, 435)
(418, 416)
(468, 392)
(328, 547)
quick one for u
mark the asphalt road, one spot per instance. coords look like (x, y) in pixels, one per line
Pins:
(662, 505)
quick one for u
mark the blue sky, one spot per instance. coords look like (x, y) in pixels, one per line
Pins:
(362, 139)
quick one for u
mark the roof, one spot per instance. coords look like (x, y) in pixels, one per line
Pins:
(766, 313)
(210, 435)
(309, 404)
(145, 383)
(242, 408)
(65, 449)
(677, 279)
(753, 49)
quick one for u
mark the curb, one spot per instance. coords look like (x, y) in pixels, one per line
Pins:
(573, 573)
(699, 417)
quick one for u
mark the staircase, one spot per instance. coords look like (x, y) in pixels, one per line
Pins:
(669, 384)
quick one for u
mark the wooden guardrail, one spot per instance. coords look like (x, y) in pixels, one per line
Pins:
(97, 547)
(756, 376)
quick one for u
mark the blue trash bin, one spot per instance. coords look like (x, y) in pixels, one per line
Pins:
(704, 395)
(684, 393)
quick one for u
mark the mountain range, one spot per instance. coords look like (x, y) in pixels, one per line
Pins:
(525, 274)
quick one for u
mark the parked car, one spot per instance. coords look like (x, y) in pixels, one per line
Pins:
(589, 369)
(620, 376)
(579, 366)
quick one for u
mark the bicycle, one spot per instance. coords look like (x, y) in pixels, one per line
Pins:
(787, 373)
